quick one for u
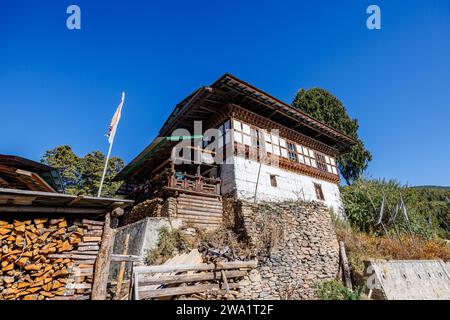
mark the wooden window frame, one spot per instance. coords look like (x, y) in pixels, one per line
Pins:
(319, 192)
(273, 180)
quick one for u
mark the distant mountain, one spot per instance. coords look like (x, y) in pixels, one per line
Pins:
(432, 187)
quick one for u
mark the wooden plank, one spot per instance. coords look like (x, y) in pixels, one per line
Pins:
(345, 266)
(237, 264)
(125, 258)
(167, 292)
(174, 279)
(197, 267)
(195, 215)
(122, 268)
(174, 268)
(200, 203)
(192, 219)
(92, 222)
(70, 256)
(198, 208)
(215, 214)
(74, 201)
(52, 210)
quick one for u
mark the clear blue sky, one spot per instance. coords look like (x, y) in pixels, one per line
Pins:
(62, 87)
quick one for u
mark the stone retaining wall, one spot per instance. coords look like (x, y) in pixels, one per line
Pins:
(297, 245)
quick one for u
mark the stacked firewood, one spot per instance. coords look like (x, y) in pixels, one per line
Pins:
(147, 208)
(37, 256)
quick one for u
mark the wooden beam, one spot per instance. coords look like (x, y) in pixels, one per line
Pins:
(345, 266)
(167, 292)
(73, 201)
(103, 261)
(126, 258)
(197, 267)
(122, 268)
(55, 210)
(3, 182)
(174, 279)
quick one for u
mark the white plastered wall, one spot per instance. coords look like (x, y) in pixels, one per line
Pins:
(242, 174)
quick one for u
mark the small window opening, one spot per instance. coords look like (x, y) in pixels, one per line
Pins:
(319, 192)
(273, 180)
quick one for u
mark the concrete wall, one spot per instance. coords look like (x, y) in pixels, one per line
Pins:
(144, 235)
(241, 176)
(410, 279)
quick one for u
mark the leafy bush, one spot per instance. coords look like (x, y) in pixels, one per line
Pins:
(170, 242)
(428, 209)
(335, 290)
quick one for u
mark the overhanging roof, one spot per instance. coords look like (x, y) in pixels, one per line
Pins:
(206, 101)
(156, 151)
(20, 173)
(13, 201)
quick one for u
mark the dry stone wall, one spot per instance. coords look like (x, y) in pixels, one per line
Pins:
(297, 247)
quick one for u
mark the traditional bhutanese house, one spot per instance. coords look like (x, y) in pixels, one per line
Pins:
(270, 151)
(50, 242)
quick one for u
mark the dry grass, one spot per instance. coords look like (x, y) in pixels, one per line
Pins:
(221, 238)
(362, 246)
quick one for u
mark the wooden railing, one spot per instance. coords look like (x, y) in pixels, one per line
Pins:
(151, 282)
(195, 183)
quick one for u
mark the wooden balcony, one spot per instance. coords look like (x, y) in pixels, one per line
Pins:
(196, 184)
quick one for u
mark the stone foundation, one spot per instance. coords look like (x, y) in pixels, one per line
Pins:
(297, 247)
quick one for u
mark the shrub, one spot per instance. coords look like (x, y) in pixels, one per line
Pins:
(335, 290)
(170, 242)
(428, 209)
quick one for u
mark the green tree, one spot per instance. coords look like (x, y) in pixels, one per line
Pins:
(82, 175)
(325, 107)
(68, 165)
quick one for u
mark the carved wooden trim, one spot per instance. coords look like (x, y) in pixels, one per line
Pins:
(285, 164)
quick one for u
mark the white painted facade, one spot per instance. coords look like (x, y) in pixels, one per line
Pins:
(241, 176)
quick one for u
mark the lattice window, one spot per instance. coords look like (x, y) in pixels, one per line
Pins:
(292, 152)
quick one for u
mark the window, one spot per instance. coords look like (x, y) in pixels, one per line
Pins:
(292, 153)
(319, 192)
(321, 162)
(273, 180)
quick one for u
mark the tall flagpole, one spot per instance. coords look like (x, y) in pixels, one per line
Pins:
(104, 170)
(109, 151)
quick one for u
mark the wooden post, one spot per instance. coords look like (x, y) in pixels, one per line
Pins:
(345, 267)
(103, 261)
(122, 268)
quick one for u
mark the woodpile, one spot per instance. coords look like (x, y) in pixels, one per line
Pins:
(45, 258)
(147, 208)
